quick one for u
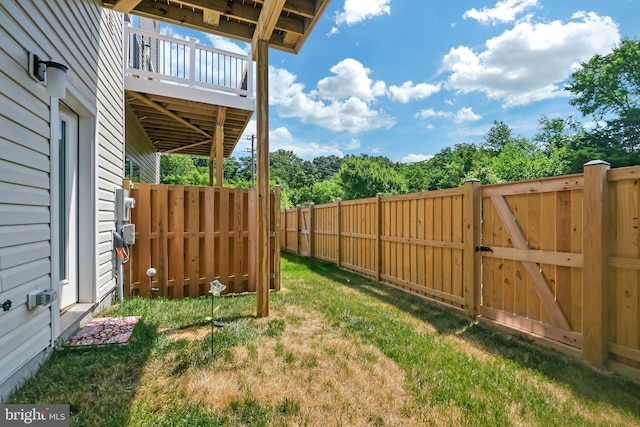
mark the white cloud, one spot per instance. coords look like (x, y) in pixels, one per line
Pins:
(413, 158)
(351, 80)
(354, 144)
(504, 11)
(280, 136)
(530, 62)
(342, 103)
(465, 114)
(356, 11)
(408, 91)
(308, 150)
(224, 43)
(430, 112)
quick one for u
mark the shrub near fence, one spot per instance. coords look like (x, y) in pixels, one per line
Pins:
(193, 235)
(556, 259)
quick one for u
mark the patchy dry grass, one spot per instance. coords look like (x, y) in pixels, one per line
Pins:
(337, 350)
(327, 377)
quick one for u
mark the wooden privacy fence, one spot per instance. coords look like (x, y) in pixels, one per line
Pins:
(556, 259)
(193, 235)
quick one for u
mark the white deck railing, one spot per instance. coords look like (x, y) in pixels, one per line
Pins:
(152, 56)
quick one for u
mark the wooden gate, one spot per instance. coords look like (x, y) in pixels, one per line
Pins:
(531, 247)
(295, 225)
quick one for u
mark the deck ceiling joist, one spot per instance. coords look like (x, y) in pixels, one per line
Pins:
(286, 23)
(186, 127)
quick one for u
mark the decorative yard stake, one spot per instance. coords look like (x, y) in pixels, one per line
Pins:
(215, 289)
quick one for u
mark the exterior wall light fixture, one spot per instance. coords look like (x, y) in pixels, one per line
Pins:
(56, 75)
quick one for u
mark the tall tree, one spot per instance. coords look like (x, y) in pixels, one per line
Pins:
(608, 84)
(497, 137)
(327, 166)
(179, 169)
(607, 87)
(366, 176)
(291, 171)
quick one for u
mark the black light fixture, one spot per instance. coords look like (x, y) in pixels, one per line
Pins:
(56, 75)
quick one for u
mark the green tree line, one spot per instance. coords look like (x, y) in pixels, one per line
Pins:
(605, 90)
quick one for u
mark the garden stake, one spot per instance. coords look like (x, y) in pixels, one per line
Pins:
(215, 289)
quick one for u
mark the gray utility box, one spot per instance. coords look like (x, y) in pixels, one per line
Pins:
(129, 234)
(41, 297)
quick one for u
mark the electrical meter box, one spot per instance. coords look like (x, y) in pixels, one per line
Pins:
(124, 204)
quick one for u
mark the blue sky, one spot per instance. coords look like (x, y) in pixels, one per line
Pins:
(405, 79)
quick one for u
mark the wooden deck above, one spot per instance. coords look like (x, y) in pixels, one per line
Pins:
(286, 24)
(183, 92)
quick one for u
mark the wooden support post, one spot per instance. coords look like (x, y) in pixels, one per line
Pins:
(338, 244)
(471, 260)
(217, 148)
(212, 174)
(262, 186)
(378, 226)
(595, 271)
(310, 229)
(298, 230)
(276, 245)
(219, 156)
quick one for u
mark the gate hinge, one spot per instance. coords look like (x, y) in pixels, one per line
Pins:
(483, 249)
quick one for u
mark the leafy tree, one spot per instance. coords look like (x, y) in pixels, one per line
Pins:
(497, 137)
(327, 191)
(607, 87)
(520, 159)
(558, 138)
(365, 176)
(327, 166)
(449, 168)
(178, 169)
(291, 171)
(608, 84)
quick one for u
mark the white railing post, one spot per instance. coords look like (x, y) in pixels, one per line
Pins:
(192, 61)
(249, 75)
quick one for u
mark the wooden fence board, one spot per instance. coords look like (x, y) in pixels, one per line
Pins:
(176, 221)
(576, 248)
(207, 216)
(521, 279)
(533, 235)
(626, 246)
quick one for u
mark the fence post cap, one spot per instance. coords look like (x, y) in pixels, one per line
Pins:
(597, 162)
(472, 180)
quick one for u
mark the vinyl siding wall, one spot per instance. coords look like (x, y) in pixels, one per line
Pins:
(87, 38)
(140, 150)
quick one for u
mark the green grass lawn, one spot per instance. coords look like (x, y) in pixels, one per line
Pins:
(337, 350)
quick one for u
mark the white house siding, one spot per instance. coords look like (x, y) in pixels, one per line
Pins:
(141, 150)
(88, 39)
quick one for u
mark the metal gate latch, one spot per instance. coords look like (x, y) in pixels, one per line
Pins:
(483, 249)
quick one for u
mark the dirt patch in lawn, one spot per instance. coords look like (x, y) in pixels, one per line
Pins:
(190, 334)
(331, 379)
